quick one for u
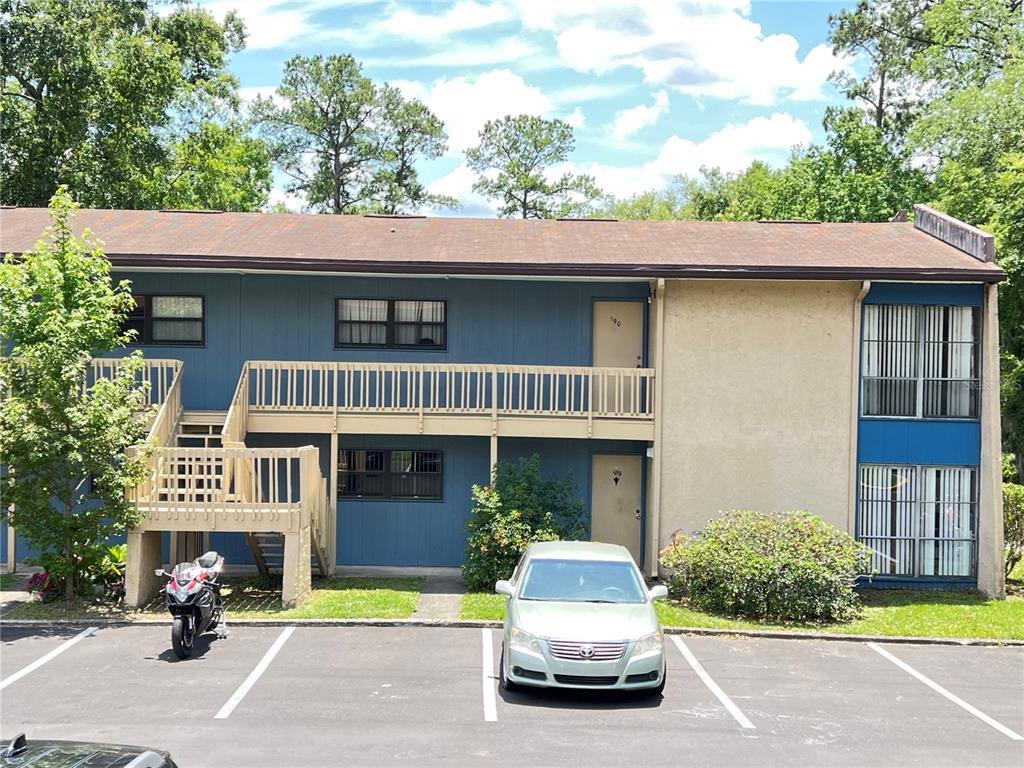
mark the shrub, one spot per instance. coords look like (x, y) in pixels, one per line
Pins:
(42, 585)
(785, 567)
(1013, 524)
(520, 507)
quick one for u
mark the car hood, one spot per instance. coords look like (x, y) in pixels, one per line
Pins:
(593, 622)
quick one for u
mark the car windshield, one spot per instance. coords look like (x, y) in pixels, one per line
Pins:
(582, 581)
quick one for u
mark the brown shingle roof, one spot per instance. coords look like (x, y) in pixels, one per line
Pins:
(275, 241)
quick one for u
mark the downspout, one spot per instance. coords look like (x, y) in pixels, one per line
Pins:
(659, 388)
(855, 406)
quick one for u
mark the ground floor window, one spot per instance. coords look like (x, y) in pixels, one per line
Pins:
(919, 521)
(384, 473)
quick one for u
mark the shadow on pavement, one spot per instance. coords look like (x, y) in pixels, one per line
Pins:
(558, 698)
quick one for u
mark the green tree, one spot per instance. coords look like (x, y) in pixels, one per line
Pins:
(885, 36)
(64, 440)
(111, 99)
(657, 204)
(347, 144)
(514, 162)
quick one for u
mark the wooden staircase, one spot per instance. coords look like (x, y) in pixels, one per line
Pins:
(202, 429)
(268, 552)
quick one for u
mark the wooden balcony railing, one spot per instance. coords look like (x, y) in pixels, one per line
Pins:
(233, 489)
(441, 389)
(159, 374)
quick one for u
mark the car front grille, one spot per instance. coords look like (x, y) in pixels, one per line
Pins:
(586, 679)
(580, 651)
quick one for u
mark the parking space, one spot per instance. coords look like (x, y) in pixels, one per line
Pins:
(310, 696)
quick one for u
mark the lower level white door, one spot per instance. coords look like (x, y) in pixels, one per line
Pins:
(615, 497)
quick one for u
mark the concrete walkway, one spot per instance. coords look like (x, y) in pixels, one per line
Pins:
(442, 593)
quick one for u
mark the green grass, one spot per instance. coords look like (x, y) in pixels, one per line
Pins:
(12, 581)
(353, 598)
(886, 612)
(483, 605)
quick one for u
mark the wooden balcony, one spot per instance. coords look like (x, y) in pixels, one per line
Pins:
(442, 399)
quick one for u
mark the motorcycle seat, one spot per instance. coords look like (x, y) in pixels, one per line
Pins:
(207, 560)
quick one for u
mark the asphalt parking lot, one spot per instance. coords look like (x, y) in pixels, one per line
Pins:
(331, 696)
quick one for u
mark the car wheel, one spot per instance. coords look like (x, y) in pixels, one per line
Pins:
(503, 682)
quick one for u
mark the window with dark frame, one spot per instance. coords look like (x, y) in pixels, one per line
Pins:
(391, 323)
(168, 320)
(377, 473)
(921, 361)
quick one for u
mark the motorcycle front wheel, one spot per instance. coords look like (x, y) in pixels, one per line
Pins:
(181, 638)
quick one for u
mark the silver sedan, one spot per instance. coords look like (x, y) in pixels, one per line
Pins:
(579, 616)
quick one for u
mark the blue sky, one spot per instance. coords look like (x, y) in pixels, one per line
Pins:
(652, 88)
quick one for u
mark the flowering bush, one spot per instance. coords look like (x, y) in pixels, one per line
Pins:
(520, 507)
(774, 567)
(42, 585)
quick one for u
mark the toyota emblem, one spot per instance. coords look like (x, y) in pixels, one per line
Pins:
(586, 651)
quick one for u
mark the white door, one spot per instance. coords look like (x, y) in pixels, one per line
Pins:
(615, 488)
(618, 334)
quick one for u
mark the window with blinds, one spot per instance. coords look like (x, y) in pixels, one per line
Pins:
(169, 320)
(919, 521)
(920, 361)
(390, 474)
(394, 323)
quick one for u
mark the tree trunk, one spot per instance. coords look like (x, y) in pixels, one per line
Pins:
(69, 545)
(337, 180)
(880, 106)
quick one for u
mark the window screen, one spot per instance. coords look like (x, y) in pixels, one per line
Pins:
(395, 323)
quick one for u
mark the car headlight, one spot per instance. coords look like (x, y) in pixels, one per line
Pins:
(524, 641)
(647, 644)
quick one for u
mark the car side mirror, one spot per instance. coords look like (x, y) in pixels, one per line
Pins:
(504, 587)
(658, 592)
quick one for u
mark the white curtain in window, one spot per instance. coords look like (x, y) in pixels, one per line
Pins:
(946, 531)
(948, 360)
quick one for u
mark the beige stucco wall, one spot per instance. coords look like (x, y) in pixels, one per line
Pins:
(756, 401)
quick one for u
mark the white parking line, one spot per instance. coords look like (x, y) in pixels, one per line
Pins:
(487, 678)
(250, 681)
(52, 654)
(952, 697)
(711, 684)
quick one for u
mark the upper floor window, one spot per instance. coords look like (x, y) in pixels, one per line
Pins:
(173, 320)
(391, 323)
(921, 361)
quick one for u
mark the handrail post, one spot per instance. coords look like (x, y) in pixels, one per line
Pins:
(494, 399)
(422, 369)
(590, 403)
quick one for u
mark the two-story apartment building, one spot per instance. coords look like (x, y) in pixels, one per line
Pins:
(675, 369)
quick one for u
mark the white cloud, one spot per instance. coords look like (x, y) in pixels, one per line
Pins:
(250, 93)
(701, 49)
(462, 16)
(471, 55)
(465, 104)
(632, 120)
(459, 184)
(732, 148)
(576, 118)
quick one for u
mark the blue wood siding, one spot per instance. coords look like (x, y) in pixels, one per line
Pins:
(389, 532)
(910, 441)
(291, 317)
(926, 293)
